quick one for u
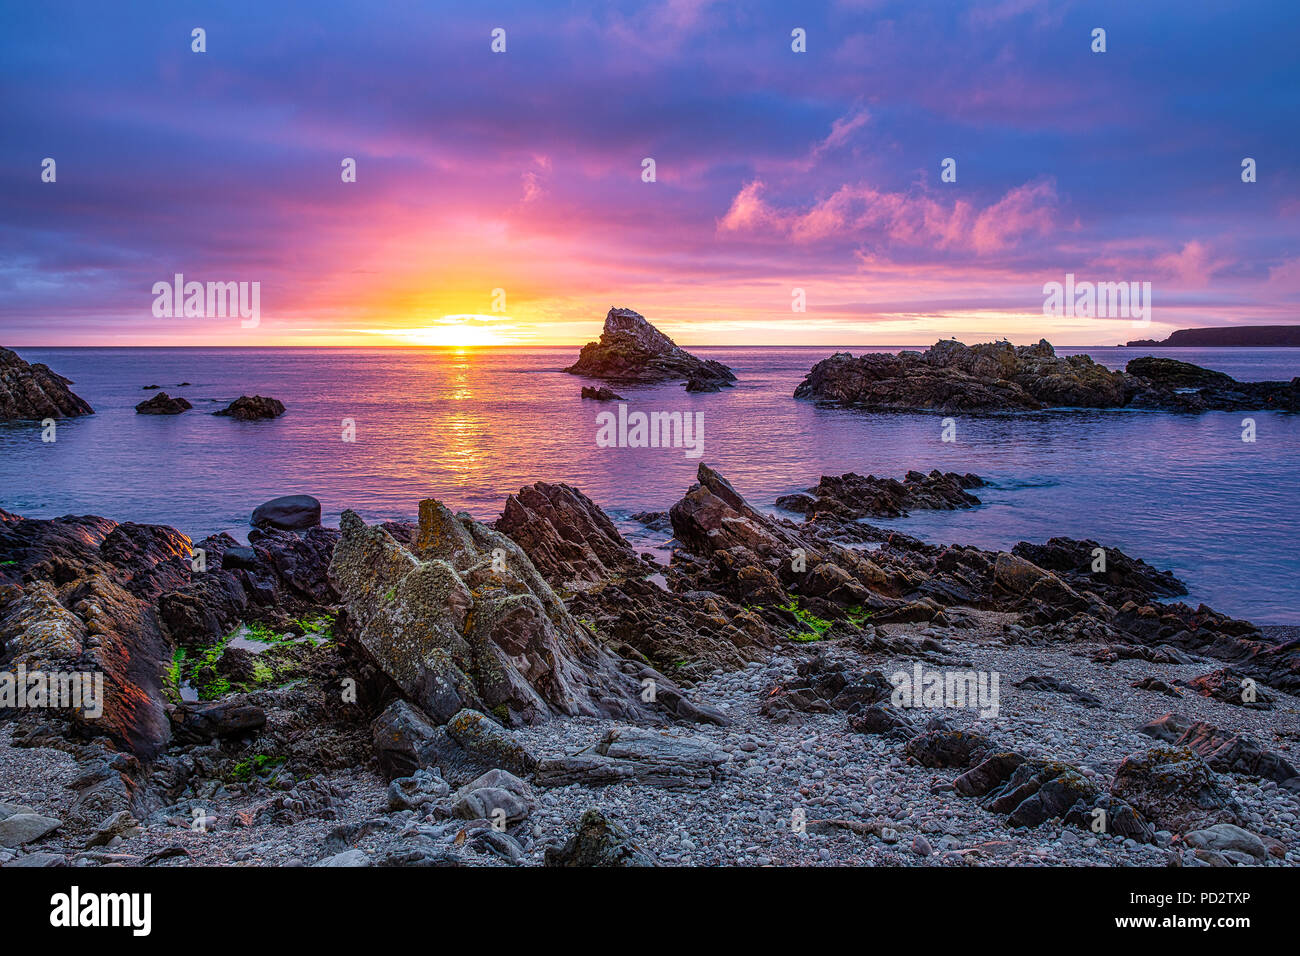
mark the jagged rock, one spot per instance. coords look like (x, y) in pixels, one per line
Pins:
(1224, 751)
(697, 383)
(455, 631)
(827, 682)
(107, 577)
(1124, 578)
(309, 799)
(635, 755)
(883, 720)
(1231, 687)
(1156, 685)
(163, 404)
(599, 842)
(1171, 385)
(467, 746)
(1204, 631)
(948, 748)
(566, 535)
(1054, 686)
(1033, 791)
(1174, 788)
(852, 496)
(632, 350)
(988, 774)
(248, 409)
(33, 392)
(601, 394)
(288, 513)
(121, 824)
(952, 377)
(404, 740)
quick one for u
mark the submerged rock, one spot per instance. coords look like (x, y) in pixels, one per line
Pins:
(601, 394)
(246, 408)
(634, 351)
(33, 392)
(163, 404)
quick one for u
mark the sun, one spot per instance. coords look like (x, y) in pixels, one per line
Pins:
(465, 330)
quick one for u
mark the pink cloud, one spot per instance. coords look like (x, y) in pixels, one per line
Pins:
(859, 211)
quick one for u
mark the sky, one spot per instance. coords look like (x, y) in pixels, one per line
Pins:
(501, 197)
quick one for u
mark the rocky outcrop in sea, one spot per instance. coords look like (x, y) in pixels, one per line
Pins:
(33, 392)
(634, 352)
(954, 378)
(253, 408)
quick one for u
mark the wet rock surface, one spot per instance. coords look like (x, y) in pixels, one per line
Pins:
(34, 392)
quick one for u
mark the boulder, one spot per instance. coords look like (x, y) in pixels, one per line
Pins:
(163, 404)
(1174, 788)
(1224, 751)
(1227, 836)
(33, 392)
(23, 828)
(288, 513)
(253, 408)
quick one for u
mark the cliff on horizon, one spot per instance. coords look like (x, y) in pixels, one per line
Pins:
(1246, 336)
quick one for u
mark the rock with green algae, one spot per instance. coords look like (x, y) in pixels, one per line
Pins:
(461, 619)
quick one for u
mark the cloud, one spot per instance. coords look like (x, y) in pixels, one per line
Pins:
(863, 213)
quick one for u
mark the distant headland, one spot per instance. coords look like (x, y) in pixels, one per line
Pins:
(1246, 336)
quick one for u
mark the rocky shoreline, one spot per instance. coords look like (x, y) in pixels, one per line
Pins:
(445, 692)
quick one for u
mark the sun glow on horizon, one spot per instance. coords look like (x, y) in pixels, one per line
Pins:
(463, 330)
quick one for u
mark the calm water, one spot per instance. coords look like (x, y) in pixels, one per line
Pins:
(1183, 492)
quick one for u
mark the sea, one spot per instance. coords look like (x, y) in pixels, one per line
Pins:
(377, 430)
